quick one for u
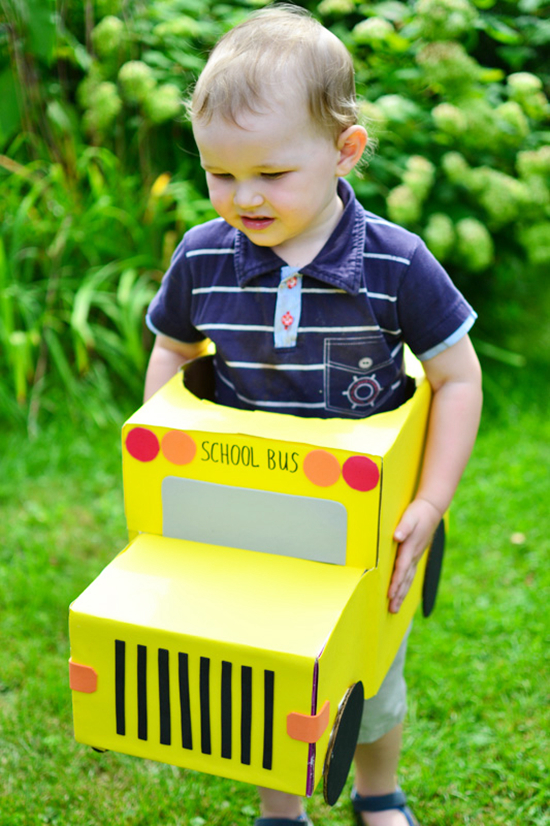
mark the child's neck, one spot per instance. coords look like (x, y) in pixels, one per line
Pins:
(301, 251)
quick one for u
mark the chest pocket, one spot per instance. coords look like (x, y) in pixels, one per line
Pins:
(360, 374)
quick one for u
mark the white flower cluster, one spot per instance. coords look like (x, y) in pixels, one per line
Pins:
(335, 7)
(445, 19)
(160, 102)
(373, 117)
(104, 106)
(136, 86)
(474, 247)
(396, 108)
(440, 236)
(108, 36)
(419, 176)
(136, 80)
(534, 168)
(450, 119)
(477, 125)
(104, 92)
(522, 203)
(373, 30)
(164, 103)
(502, 197)
(180, 26)
(534, 163)
(468, 242)
(404, 202)
(403, 205)
(526, 89)
(448, 68)
(536, 242)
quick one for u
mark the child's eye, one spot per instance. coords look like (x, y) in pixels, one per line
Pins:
(223, 175)
(273, 175)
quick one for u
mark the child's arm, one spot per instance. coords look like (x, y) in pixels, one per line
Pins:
(167, 357)
(455, 378)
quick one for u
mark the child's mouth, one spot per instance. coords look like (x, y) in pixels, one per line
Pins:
(257, 222)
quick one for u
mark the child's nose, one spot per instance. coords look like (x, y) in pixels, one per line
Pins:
(247, 196)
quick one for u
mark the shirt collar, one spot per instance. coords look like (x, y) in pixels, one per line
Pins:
(339, 263)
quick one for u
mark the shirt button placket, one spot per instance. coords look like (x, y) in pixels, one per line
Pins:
(287, 308)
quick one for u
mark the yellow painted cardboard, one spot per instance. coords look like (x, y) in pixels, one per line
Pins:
(291, 633)
(169, 592)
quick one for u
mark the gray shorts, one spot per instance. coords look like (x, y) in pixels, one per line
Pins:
(386, 709)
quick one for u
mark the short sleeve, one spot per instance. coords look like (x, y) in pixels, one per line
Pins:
(170, 311)
(433, 313)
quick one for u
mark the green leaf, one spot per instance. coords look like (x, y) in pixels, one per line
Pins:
(58, 116)
(530, 6)
(391, 10)
(6, 297)
(516, 56)
(70, 49)
(10, 114)
(59, 359)
(491, 75)
(158, 59)
(541, 34)
(41, 27)
(188, 61)
(500, 31)
(485, 348)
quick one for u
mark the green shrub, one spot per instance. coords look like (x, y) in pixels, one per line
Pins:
(81, 251)
(453, 91)
(460, 85)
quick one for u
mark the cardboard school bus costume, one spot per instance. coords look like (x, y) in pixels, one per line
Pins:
(239, 630)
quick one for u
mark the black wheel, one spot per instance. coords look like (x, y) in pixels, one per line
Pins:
(433, 570)
(342, 743)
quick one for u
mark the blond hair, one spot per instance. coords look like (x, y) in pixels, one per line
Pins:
(264, 57)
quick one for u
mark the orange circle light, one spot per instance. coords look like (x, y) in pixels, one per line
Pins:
(322, 468)
(178, 447)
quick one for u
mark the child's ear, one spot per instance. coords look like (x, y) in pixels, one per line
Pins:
(351, 145)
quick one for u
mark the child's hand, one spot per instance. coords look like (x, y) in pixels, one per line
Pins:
(455, 379)
(414, 533)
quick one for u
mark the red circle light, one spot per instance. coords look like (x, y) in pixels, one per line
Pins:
(142, 444)
(361, 473)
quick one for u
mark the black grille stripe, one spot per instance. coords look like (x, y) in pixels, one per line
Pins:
(227, 707)
(142, 691)
(246, 713)
(206, 745)
(120, 686)
(184, 684)
(269, 691)
(164, 698)
(185, 705)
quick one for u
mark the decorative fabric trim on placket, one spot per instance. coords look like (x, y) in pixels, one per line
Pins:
(288, 308)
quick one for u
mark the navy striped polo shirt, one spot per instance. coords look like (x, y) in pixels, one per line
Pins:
(323, 340)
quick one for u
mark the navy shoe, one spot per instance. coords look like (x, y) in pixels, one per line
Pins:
(381, 803)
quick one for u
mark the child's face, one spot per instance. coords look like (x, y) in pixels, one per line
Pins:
(273, 176)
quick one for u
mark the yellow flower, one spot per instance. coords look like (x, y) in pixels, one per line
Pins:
(160, 185)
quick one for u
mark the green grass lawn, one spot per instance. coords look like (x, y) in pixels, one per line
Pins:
(476, 743)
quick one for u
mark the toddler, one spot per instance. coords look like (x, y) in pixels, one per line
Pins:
(309, 299)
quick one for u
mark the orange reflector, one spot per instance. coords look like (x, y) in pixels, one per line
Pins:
(306, 727)
(322, 468)
(82, 678)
